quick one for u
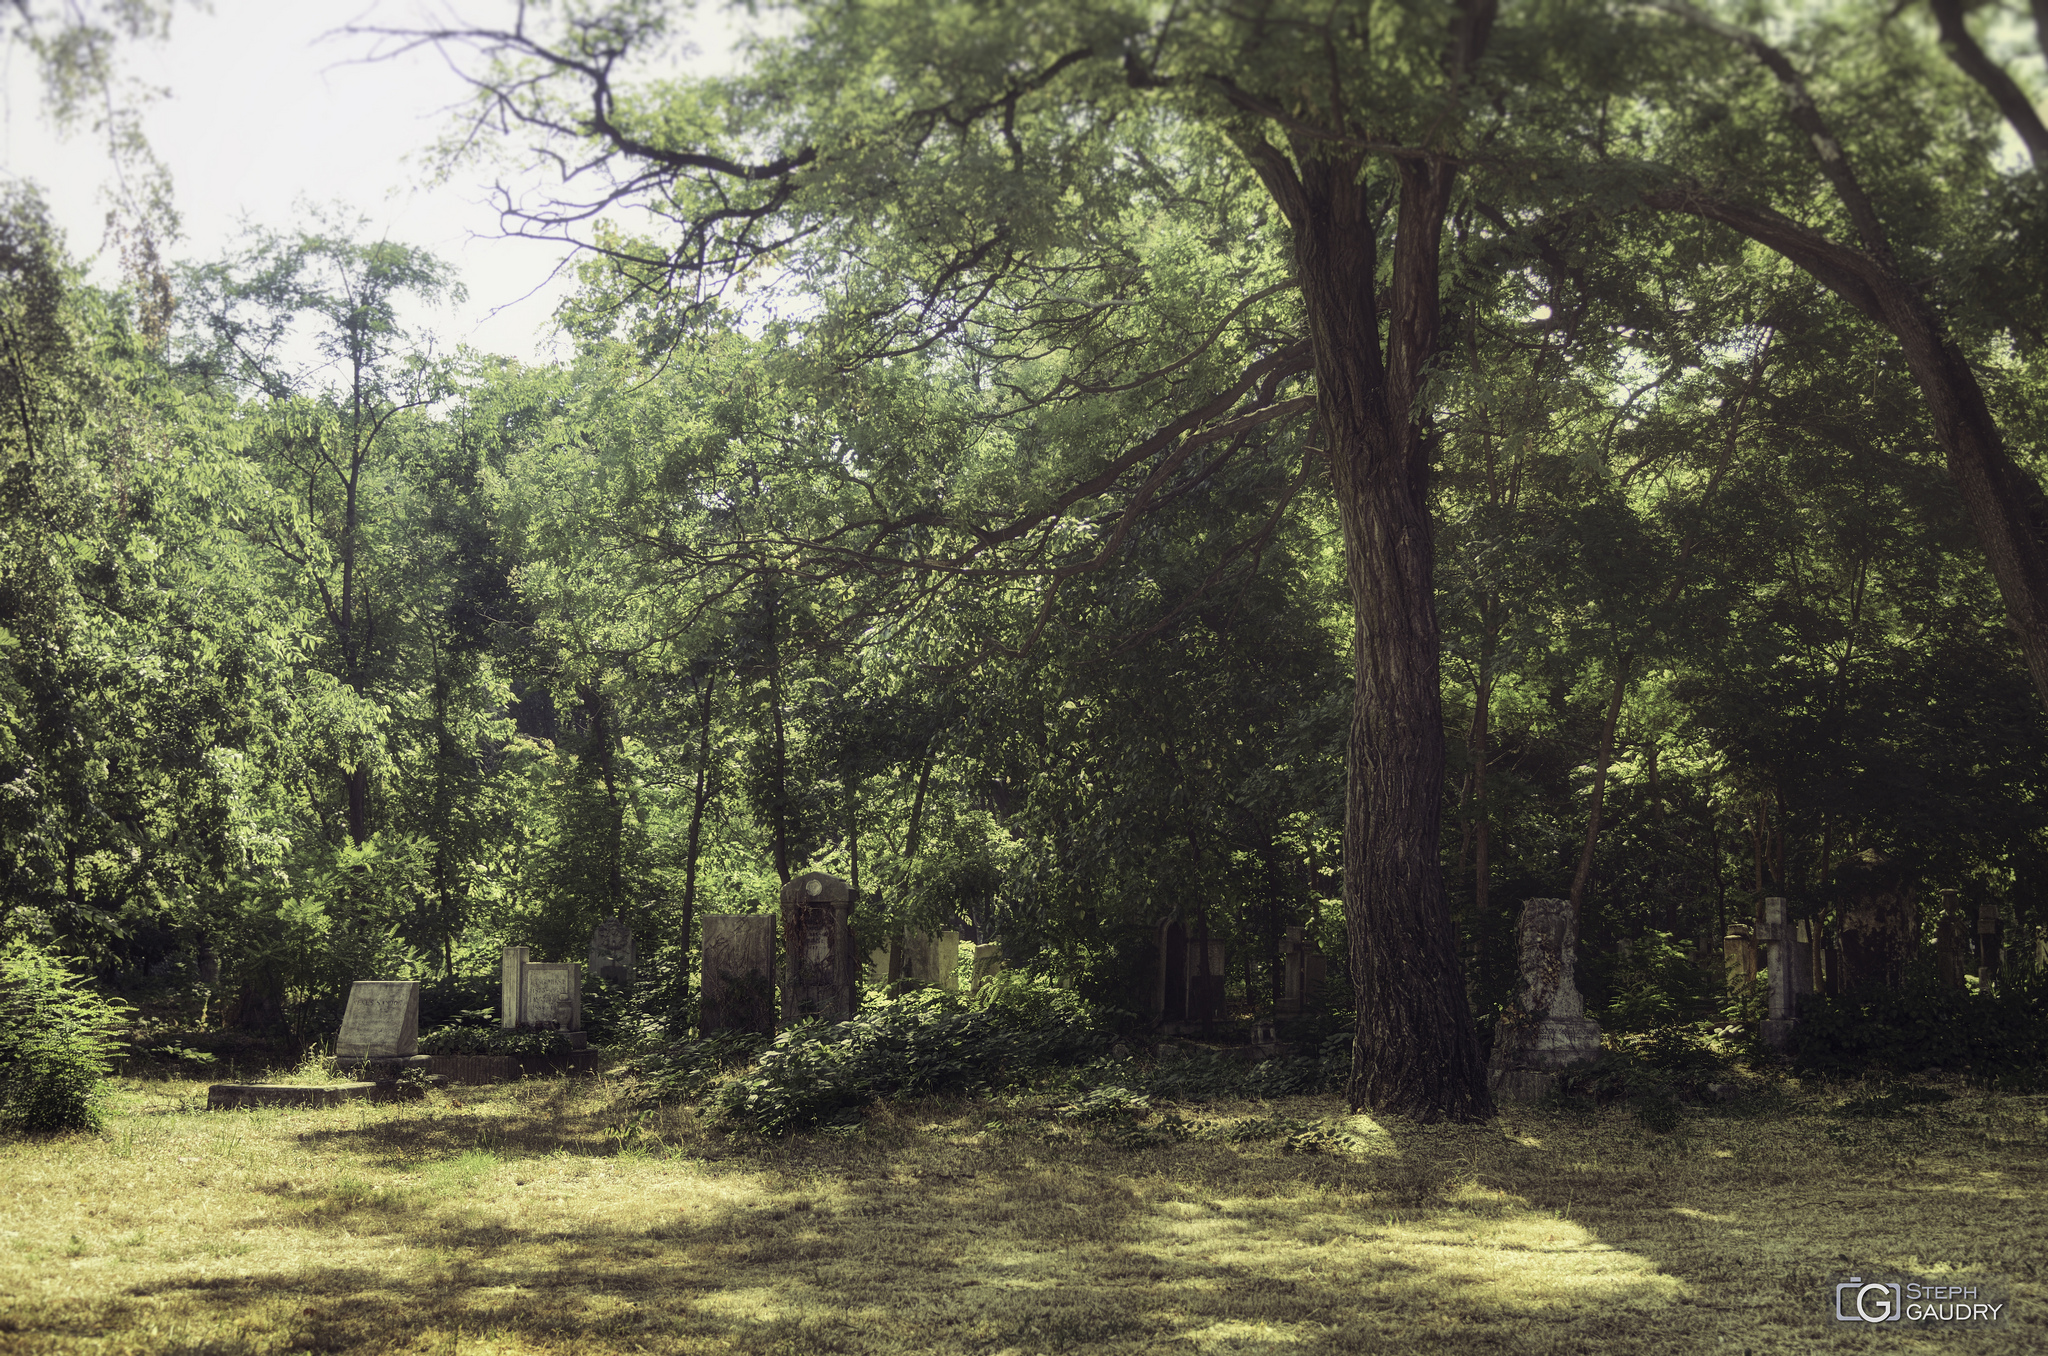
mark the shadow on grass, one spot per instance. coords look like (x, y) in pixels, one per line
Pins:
(1544, 1232)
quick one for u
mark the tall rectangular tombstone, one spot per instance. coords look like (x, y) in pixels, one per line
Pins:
(817, 948)
(512, 986)
(1546, 1031)
(382, 1020)
(738, 989)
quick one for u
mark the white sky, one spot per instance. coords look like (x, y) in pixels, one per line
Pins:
(266, 111)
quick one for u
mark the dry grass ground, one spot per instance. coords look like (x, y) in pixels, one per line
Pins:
(552, 1217)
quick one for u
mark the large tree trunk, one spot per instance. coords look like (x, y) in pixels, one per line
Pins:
(1417, 1052)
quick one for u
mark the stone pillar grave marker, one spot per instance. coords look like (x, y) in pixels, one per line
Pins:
(612, 955)
(512, 986)
(1783, 968)
(1547, 1030)
(738, 986)
(382, 1020)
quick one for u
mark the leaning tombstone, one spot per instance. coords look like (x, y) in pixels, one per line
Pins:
(818, 963)
(382, 1020)
(1546, 1031)
(738, 987)
(612, 956)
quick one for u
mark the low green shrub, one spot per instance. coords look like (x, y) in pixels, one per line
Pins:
(56, 1040)
(1996, 1038)
(495, 1040)
(925, 1042)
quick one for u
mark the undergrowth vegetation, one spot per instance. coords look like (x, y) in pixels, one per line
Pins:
(57, 1039)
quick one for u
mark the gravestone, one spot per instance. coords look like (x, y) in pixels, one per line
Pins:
(382, 1020)
(554, 996)
(923, 958)
(1205, 976)
(1170, 1001)
(1880, 925)
(881, 964)
(988, 961)
(612, 956)
(1302, 970)
(1190, 992)
(817, 948)
(532, 993)
(738, 989)
(1738, 957)
(1547, 1030)
(1990, 948)
(1951, 943)
(1789, 972)
(512, 986)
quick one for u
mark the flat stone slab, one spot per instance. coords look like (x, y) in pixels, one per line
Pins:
(225, 1096)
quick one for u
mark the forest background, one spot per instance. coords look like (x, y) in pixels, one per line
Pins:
(941, 494)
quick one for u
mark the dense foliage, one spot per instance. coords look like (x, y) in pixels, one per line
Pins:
(956, 513)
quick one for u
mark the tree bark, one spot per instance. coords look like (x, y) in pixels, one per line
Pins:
(1417, 1051)
(1606, 755)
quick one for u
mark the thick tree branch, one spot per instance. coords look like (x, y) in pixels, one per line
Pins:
(1805, 115)
(1971, 59)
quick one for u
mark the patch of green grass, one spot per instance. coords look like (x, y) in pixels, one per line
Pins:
(958, 1224)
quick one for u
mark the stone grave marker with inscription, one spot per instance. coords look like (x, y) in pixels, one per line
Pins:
(817, 948)
(554, 996)
(1547, 1030)
(738, 987)
(612, 956)
(382, 1020)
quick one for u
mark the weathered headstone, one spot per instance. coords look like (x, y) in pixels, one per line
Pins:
(817, 948)
(1301, 973)
(1190, 992)
(1170, 1002)
(738, 991)
(1787, 968)
(512, 986)
(612, 956)
(1547, 1030)
(1951, 943)
(1990, 948)
(554, 996)
(1738, 958)
(1880, 925)
(382, 1020)
(988, 961)
(1205, 976)
(925, 959)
